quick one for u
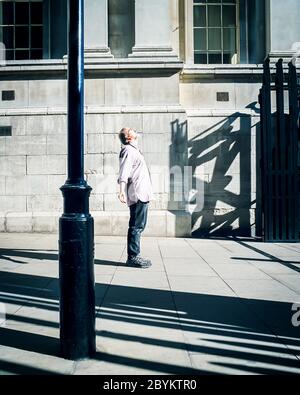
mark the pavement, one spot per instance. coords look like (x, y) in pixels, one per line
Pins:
(206, 306)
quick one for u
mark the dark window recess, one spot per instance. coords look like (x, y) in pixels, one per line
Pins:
(8, 95)
(5, 131)
(222, 96)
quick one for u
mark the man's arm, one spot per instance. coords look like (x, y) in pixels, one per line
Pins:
(126, 164)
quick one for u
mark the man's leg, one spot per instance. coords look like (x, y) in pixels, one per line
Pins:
(137, 223)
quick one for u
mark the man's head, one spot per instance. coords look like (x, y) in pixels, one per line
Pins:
(128, 135)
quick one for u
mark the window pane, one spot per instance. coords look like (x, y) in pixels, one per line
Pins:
(215, 58)
(7, 36)
(7, 13)
(9, 55)
(229, 40)
(200, 16)
(214, 16)
(227, 58)
(200, 58)
(200, 39)
(22, 13)
(22, 36)
(21, 54)
(229, 16)
(36, 37)
(36, 13)
(36, 54)
(214, 39)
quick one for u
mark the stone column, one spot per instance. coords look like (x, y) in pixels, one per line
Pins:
(152, 29)
(96, 29)
(283, 32)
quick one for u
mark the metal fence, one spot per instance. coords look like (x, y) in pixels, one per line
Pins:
(280, 104)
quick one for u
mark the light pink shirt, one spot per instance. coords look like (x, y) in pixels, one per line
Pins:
(134, 172)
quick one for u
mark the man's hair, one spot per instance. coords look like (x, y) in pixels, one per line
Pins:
(123, 135)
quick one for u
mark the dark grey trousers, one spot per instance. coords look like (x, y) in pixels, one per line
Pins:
(137, 223)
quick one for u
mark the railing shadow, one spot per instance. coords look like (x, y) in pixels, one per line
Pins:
(223, 148)
(217, 327)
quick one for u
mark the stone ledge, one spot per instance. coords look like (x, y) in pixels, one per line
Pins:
(92, 110)
(160, 223)
(103, 65)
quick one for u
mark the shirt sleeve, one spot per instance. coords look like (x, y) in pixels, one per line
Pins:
(126, 161)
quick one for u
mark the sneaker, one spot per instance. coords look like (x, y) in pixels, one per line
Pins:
(138, 261)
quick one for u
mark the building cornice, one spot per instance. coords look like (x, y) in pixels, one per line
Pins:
(103, 66)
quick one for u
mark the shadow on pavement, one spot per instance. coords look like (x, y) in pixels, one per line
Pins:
(248, 331)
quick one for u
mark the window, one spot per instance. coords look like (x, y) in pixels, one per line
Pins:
(21, 29)
(215, 31)
(121, 23)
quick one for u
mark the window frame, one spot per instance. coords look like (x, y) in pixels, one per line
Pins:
(189, 37)
(30, 49)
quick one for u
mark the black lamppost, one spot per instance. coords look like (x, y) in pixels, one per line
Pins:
(76, 225)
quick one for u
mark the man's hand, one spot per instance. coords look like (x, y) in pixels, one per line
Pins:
(122, 197)
(122, 194)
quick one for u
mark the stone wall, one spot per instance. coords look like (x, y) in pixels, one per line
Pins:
(33, 159)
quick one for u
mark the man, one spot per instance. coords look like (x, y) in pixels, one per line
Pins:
(136, 191)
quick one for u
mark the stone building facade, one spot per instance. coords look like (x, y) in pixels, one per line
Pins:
(184, 73)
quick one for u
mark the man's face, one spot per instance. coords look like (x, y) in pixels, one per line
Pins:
(132, 135)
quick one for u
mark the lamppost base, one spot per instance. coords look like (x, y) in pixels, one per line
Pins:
(77, 286)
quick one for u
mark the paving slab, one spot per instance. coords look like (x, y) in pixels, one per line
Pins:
(206, 306)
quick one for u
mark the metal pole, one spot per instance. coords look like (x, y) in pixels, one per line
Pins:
(76, 225)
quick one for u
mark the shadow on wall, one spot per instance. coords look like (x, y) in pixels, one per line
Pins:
(218, 198)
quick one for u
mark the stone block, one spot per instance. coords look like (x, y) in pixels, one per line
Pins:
(21, 93)
(45, 222)
(56, 146)
(179, 224)
(94, 92)
(246, 93)
(156, 159)
(2, 145)
(158, 182)
(157, 123)
(112, 203)
(47, 124)
(36, 184)
(113, 123)
(160, 91)
(103, 184)
(13, 203)
(123, 91)
(119, 223)
(18, 124)
(155, 144)
(112, 144)
(156, 224)
(39, 203)
(2, 222)
(54, 183)
(25, 145)
(93, 123)
(16, 185)
(93, 163)
(96, 202)
(19, 222)
(95, 143)
(48, 92)
(204, 95)
(2, 185)
(111, 163)
(102, 224)
(12, 165)
(50, 164)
